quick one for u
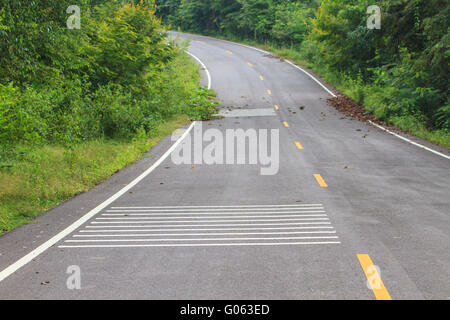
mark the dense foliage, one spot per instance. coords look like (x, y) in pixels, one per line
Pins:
(399, 72)
(116, 77)
(76, 105)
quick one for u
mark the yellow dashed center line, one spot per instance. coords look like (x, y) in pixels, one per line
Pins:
(269, 92)
(262, 78)
(202, 42)
(286, 124)
(321, 181)
(277, 107)
(373, 277)
(250, 64)
(299, 145)
(229, 52)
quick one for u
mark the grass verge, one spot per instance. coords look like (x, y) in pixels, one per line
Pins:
(37, 179)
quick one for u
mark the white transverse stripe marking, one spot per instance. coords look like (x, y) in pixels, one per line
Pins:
(215, 210)
(102, 229)
(199, 239)
(165, 214)
(226, 225)
(131, 220)
(210, 227)
(196, 234)
(157, 217)
(43, 247)
(213, 225)
(241, 207)
(205, 245)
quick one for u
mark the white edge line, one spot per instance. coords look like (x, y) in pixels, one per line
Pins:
(408, 140)
(312, 77)
(49, 243)
(204, 67)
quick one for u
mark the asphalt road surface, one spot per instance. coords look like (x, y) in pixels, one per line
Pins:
(348, 203)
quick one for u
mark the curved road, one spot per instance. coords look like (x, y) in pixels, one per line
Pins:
(345, 195)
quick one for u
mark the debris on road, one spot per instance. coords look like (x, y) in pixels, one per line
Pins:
(350, 108)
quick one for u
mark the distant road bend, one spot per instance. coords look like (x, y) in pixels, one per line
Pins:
(349, 202)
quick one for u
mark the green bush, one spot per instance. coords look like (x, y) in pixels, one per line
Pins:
(117, 77)
(22, 116)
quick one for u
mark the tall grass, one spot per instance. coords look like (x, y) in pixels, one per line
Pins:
(37, 179)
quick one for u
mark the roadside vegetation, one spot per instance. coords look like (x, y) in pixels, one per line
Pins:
(398, 73)
(76, 105)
